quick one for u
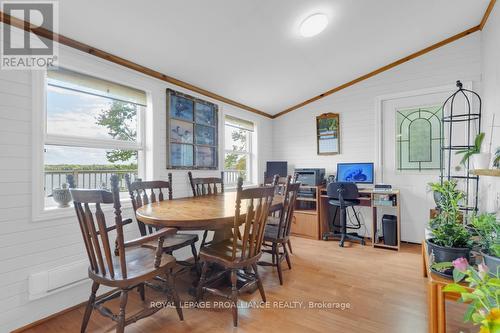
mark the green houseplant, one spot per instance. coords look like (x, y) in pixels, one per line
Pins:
(480, 160)
(483, 294)
(450, 239)
(488, 229)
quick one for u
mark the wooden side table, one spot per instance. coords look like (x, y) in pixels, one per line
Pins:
(436, 297)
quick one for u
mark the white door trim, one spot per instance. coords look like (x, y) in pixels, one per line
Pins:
(379, 100)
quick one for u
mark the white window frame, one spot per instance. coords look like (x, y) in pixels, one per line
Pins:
(41, 138)
(249, 154)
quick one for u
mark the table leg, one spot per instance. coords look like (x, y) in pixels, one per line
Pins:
(432, 307)
(222, 234)
(441, 309)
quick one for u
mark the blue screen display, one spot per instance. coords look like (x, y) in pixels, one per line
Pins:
(355, 172)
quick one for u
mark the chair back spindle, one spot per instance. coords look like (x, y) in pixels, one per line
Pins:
(94, 230)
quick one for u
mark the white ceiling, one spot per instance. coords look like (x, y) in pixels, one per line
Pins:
(250, 50)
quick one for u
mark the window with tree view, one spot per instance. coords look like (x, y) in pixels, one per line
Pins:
(93, 130)
(238, 149)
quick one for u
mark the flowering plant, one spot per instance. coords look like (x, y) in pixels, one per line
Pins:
(483, 294)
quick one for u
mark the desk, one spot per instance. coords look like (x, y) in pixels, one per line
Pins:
(436, 304)
(368, 198)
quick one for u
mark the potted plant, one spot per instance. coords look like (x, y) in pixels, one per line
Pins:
(62, 196)
(482, 294)
(450, 239)
(480, 160)
(488, 229)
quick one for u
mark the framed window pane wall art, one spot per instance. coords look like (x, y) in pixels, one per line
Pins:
(328, 134)
(192, 141)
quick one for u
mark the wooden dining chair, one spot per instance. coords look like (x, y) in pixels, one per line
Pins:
(281, 183)
(278, 235)
(131, 268)
(271, 181)
(145, 192)
(202, 186)
(236, 254)
(278, 180)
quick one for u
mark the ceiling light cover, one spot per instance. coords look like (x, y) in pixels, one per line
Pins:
(313, 25)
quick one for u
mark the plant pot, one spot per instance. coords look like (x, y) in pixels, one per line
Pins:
(442, 253)
(437, 197)
(62, 197)
(492, 262)
(481, 160)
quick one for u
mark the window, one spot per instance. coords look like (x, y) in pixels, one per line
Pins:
(419, 137)
(238, 157)
(93, 130)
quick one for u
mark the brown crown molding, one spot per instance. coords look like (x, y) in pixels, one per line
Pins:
(45, 33)
(487, 14)
(396, 63)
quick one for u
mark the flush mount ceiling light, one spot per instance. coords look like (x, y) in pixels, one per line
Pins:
(313, 25)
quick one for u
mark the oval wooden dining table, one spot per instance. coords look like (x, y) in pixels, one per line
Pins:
(211, 212)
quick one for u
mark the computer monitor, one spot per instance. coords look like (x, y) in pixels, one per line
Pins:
(276, 168)
(360, 173)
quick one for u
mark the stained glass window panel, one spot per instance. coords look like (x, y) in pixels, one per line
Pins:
(418, 138)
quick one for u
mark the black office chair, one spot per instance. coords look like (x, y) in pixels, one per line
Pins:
(343, 195)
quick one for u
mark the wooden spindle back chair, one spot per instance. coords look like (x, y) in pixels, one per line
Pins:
(243, 250)
(96, 239)
(278, 180)
(258, 202)
(271, 181)
(131, 266)
(202, 186)
(286, 214)
(146, 192)
(281, 183)
(206, 185)
(277, 234)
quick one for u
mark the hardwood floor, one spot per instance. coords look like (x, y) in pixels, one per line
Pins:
(385, 290)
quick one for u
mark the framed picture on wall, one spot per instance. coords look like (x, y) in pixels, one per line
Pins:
(328, 134)
(192, 141)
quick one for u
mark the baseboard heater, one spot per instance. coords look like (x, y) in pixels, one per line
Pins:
(57, 279)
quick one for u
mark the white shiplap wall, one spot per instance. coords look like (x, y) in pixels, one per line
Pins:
(29, 247)
(491, 96)
(294, 134)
